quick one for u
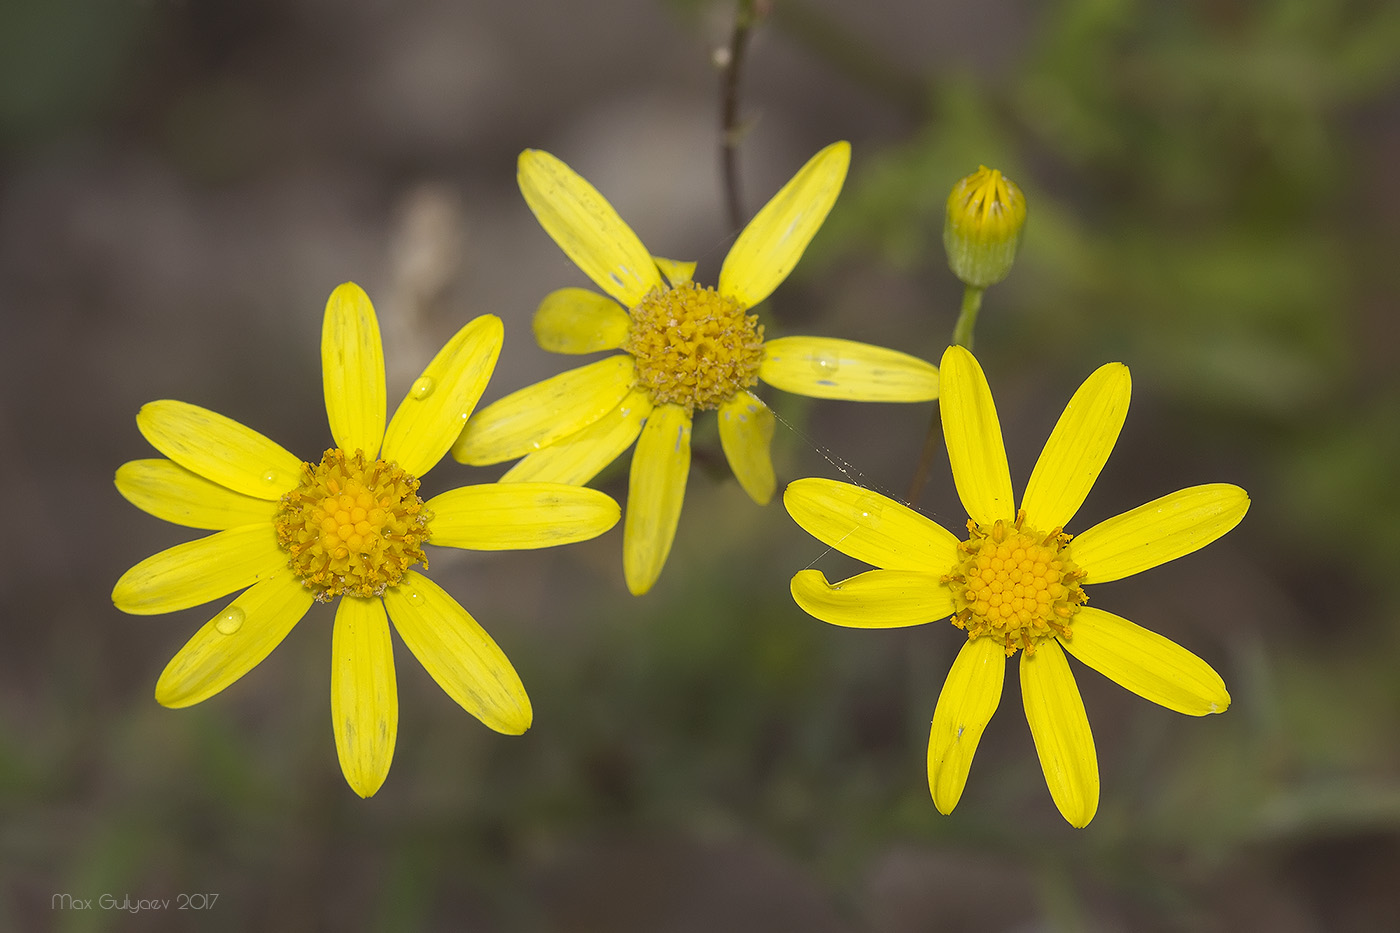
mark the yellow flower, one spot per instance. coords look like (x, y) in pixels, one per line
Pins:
(686, 348)
(351, 525)
(1016, 582)
(982, 230)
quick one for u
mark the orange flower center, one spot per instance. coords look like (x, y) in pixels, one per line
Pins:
(353, 527)
(1015, 585)
(693, 346)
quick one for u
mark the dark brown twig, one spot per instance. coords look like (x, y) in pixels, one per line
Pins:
(731, 60)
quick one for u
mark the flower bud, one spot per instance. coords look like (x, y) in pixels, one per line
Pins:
(986, 212)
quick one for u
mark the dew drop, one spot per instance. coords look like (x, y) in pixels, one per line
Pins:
(826, 364)
(270, 477)
(415, 597)
(422, 388)
(231, 621)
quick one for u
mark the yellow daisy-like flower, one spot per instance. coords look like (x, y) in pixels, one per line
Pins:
(350, 526)
(1016, 582)
(687, 348)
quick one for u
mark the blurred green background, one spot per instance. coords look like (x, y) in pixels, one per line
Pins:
(1213, 200)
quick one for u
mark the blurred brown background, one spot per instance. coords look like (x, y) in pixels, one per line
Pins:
(1213, 200)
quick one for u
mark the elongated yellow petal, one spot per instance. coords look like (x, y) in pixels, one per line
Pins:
(870, 527)
(458, 654)
(1162, 530)
(352, 370)
(197, 571)
(364, 694)
(1078, 448)
(586, 227)
(824, 367)
(969, 698)
(772, 243)
(219, 448)
(655, 491)
(1150, 665)
(576, 320)
(235, 641)
(514, 516)
(170, 492)
(536, 416)
(432, 416)
(578, 458)
(676, 272)
(874, 599)
(1060, 728)
(973, 435)
(746, 434)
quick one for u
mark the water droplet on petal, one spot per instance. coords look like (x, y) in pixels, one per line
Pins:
(231, 621)
(535, 444)
(270, 477)
(422, 388)
(826, 364)
(415, 597)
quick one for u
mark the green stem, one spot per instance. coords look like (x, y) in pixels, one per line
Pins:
(962, 336)
(967, 316)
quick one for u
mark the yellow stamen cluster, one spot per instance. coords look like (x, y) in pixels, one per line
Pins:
(1015, 585)
(353, 526)
(694, 346)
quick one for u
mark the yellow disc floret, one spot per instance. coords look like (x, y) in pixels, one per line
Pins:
(693, 346)
(1015, 585)
(353, 526)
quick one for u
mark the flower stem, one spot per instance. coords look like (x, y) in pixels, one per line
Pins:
(962, 336)
(967, 316)
(731, 60)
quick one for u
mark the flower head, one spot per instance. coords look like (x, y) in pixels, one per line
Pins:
(982, 231)
(351, 526)
(1016, 582)
(686, 348)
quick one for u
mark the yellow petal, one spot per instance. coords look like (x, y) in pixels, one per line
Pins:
(1162, 530)
(586, 227)
(655, 491)
(1078, 448)
(170, 492)
(1150, 665)
(969, 698)
(677, 273)
(973, 435)
(431, 417)
(1060, 728)
(746, 434)
(200, 570)
(538, 415)
(514, 516)
(870, 527)
(824, 367)
(576, 320)
(458, 654)
(219, 448)
(235, 641)
(874, 599)
(772, 243)
(578, 458)
(352, 370)
(364, 695)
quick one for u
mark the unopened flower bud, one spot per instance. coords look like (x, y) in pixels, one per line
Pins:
(986, 212)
